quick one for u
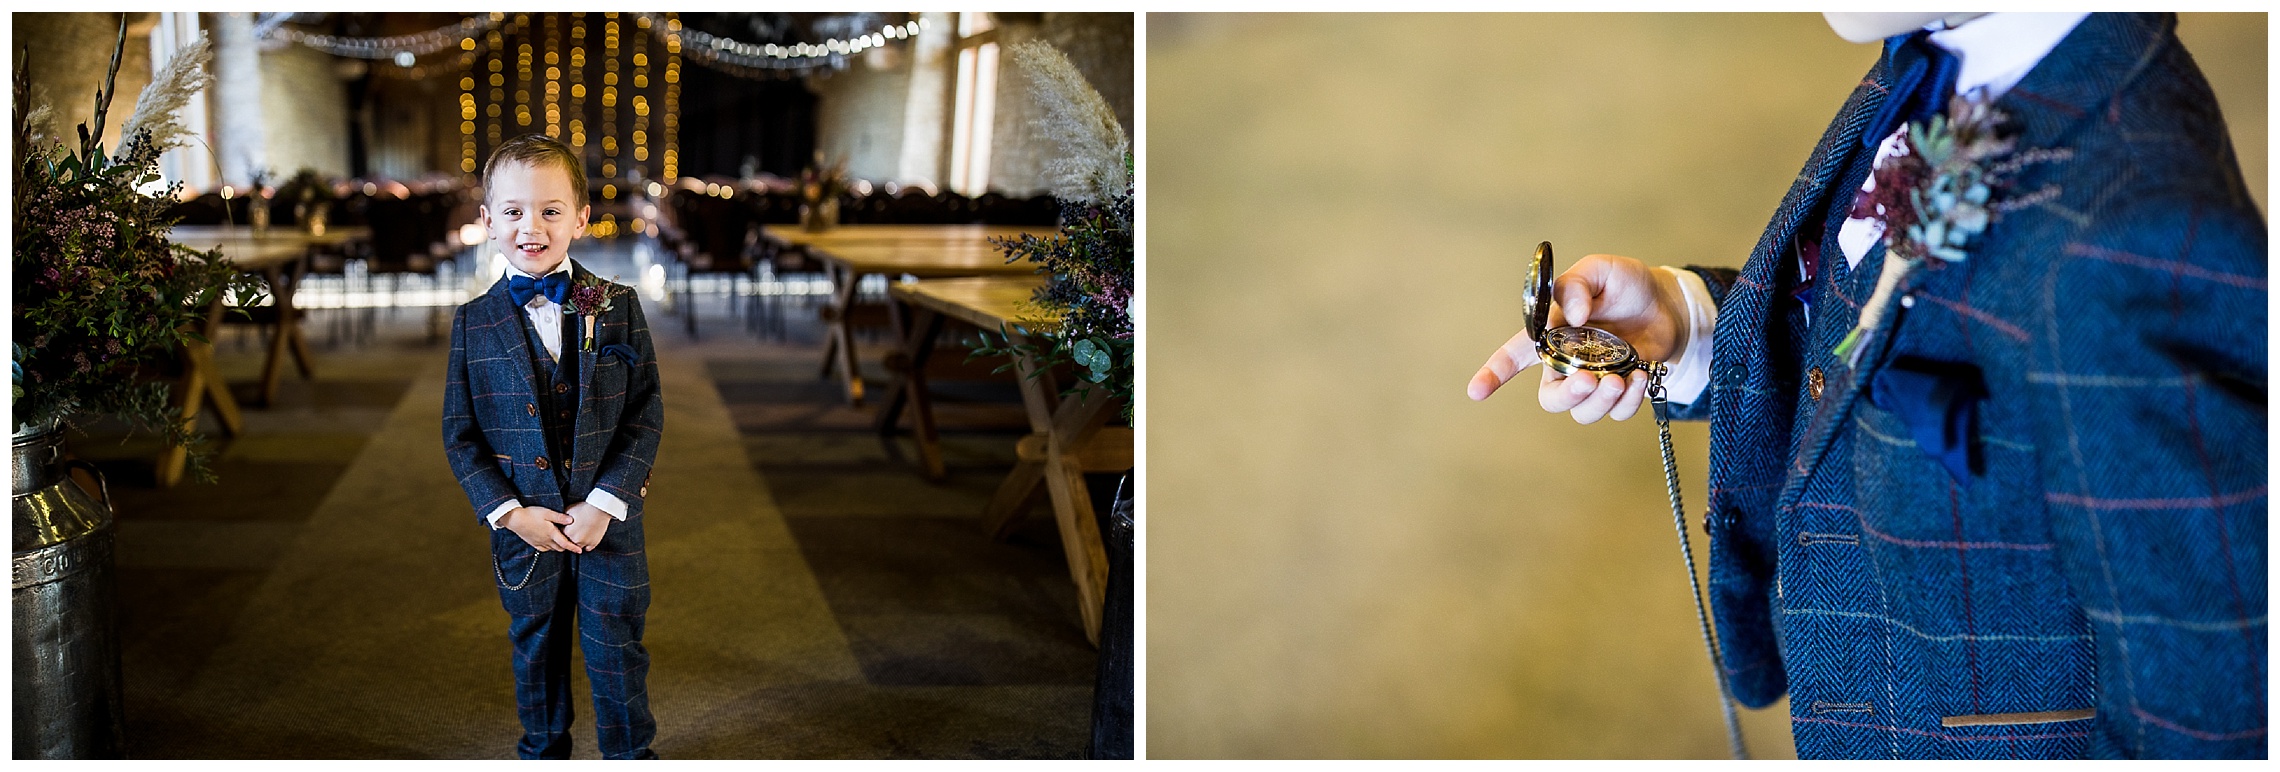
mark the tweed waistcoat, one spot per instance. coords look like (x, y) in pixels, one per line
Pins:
(557, 382)
(2097, 588)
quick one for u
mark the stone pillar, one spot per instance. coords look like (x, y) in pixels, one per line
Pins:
(926, 114)
(236, 98)
(191, 164)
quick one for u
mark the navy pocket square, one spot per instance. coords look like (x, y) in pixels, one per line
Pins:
(623, 352)
(1939, 401)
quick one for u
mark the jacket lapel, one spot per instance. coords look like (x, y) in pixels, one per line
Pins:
(1745, 415)
(2075, 81)
(506, 331)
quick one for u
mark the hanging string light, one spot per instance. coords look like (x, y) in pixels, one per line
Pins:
(553, 77)
(766, 60)
(419, 44)
(610, 64)
(493, 131)
(671, 166)
(578, 82)
(640, 102)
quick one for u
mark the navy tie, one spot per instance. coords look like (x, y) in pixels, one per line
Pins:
(1923, 84)
(556, 287)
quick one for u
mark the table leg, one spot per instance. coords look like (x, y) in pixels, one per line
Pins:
(922, 406)
(1067, 426)
(287, 338)
(843, 333)
(1012, 497)
(201, 385)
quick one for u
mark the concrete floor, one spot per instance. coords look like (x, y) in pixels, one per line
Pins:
(1345, 557)
(813, 596)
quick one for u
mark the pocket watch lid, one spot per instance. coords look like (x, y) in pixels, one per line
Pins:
(1537, 295)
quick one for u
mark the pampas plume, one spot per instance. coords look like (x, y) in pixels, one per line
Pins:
(1093, 145)
(158, 108)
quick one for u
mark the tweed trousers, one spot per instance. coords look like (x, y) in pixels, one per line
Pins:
(600, 598)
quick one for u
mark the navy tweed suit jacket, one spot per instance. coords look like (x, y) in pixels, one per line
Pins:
(492, 432)
(2109, 552)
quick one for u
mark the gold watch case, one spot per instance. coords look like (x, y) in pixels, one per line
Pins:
(1570, 349)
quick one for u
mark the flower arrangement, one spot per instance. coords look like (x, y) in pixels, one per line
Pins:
(100, 294)
(821, 185)
(310, 196)
(1937, 195)
(590, 297)
(1090, 261)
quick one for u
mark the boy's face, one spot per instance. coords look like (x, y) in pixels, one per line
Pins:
(528, 213)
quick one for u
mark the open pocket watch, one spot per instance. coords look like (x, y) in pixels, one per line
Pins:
(1568, 349)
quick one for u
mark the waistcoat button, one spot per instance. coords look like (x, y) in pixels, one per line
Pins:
(561, 388)
(1813, 382)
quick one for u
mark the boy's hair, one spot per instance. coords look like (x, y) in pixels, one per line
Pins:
(538, 150)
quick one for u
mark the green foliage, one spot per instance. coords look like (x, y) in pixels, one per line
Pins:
(101, 299)
(1091, 285)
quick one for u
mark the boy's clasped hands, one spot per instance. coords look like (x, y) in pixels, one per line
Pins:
(547, 530)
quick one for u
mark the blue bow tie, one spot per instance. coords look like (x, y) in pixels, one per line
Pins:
(1923, 82)
(556, 287)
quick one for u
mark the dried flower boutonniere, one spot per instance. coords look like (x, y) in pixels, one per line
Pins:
(590, 297)
(1936, 195)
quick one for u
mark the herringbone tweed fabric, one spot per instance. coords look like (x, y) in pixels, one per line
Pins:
(2109, 552)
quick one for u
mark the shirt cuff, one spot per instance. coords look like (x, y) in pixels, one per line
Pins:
(608, 502)
(501, 513)
(1690, 371)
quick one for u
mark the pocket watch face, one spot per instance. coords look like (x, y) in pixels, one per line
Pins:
(1589, 348)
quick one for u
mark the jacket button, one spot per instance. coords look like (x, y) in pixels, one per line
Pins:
(532, 407)
(540, 463)
(1813, 382)
(561, 388)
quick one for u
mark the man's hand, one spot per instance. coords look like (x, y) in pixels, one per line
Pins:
(541, 527)
(588, 524)
(1637, 303)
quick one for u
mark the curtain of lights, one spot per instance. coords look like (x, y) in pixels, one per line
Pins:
(530, 73)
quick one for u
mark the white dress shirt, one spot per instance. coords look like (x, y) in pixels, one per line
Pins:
(1996, 51)
(546, 317)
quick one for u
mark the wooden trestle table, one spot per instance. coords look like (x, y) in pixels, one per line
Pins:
(850, 252)
(1068, 436)
(280, 255)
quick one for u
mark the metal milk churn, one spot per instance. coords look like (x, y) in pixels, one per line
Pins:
(65, 611)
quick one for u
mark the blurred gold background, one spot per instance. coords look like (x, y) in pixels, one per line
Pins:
(1347, 558)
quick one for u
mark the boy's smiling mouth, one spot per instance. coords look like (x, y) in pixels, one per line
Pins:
(532, 250)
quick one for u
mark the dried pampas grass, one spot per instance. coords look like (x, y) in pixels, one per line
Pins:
(1093, 145)
(38, 120)
(158, 108)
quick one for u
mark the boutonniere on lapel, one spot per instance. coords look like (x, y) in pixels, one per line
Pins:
(590, 297)
(1937, 194)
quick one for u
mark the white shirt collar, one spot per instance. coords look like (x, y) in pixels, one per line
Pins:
(1997, 50)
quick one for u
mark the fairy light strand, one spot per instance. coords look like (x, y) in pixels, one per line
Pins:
(417, 44)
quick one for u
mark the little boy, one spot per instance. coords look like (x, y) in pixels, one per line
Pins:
(552, 400)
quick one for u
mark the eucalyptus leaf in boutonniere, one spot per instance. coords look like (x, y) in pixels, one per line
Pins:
(590, 297)
(1937, 194)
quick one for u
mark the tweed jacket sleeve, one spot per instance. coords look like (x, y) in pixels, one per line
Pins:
(2153, 443)
(471, 456)
(632, 448)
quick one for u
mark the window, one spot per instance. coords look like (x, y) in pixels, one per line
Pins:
(974, 110)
